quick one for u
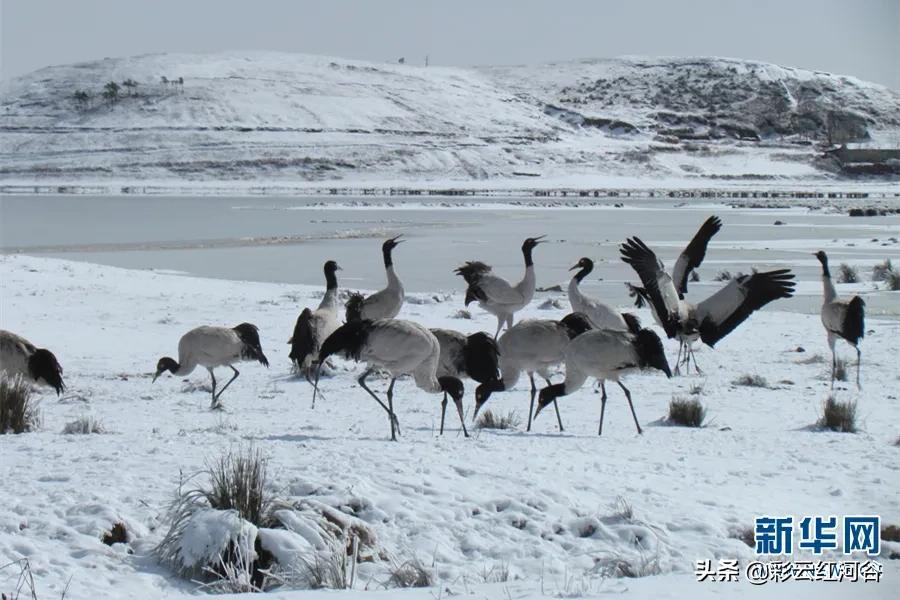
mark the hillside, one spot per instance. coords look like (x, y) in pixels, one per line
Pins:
(281, 118)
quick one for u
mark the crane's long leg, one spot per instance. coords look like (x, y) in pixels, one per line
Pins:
(362, 383)
(678, 358)
(833, 367)
(443, 411)
(858, 365)
(531, 406)
(628, 395)
(602, 406)
(390, 397)
(694, 356)
(459, 409)
(555, 407)
(213, 377)
(499, 327)
(224, 387)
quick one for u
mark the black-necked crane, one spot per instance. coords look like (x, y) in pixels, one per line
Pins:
(601, 315)
(842, 317)
(383, 304)
(607, 355)
(496, 295)
(19, 357)
(210, 347)
(713, 318)
(475, 356)
(314, 326)
(399, 347)
(532, 346)
(689, 259)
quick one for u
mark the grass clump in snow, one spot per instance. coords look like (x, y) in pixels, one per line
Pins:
(893, 281)
(838, 415)
(687, 412)
(410, 574)
(117, 534)
(847, 274)
(498, 573)
(753, 380)
(722, 276)
(489, 420)
(19, 411)
(84, 425)
(238, 482)
(890, 533)
(880, 272)
(642, 566)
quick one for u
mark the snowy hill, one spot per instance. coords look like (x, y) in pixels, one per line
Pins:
(280, 118)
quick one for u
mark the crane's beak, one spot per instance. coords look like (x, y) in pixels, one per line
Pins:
(338, 268)
(539, 239)
(155, 375)
(397, 239)
(573, 267)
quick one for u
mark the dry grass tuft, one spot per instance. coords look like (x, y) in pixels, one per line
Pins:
(880, 272)
(84, 425)
(687, 412)
(893, 281)
(19, 411)
(890, 533)
(847, 274)
(838, 415)
(840, 370)
(410, 574)
(749, 380)
(488, 420)
(116, 535)
(746, 535)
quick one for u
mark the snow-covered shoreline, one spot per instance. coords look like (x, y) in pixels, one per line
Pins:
(542, 504)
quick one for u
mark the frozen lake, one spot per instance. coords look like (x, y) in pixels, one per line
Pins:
(288, 239)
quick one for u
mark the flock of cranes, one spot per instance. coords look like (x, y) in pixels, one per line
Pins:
(595, 340)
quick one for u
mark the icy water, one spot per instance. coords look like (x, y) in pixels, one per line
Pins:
(288, 239)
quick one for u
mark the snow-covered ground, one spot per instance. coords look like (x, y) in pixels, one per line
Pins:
(268, 119)
(545, 505)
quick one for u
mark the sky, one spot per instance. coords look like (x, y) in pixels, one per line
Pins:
(850, 37)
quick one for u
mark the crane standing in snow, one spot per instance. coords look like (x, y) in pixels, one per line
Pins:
(383, 304)
(212, 347)
(313, 327)
(496, 295)
(532, 346)
(607, 355)
(843, 318)
(601, 315)
(475, 356)
(397, 346)
(19, 357)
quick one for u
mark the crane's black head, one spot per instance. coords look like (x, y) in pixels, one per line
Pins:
(452, 386)
(586, 265)
(331, 267)
(482, 357)
(575, 324)
(823, 259)
(386, 249)
(530, 244)
(650, 351)
(165, 364)
(42, 364)
(483, 393)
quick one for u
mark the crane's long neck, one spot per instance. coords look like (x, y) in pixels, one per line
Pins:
(393, 282)
(526, 286)
(827, 285)
(330, 300)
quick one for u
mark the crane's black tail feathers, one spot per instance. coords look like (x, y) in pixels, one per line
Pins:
(252, 350)
(638, 293)
(854, 328)
(303, 342)
(348, 339)
(482, 357)
(650, 351)
(634, 324)
(354, 308)
(42, 364)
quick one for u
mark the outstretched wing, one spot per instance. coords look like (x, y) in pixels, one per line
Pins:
(657, 283)
(719, 314)
(472, 271)
(693, 254)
